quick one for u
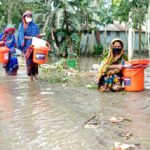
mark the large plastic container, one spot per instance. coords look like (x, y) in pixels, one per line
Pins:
(40, 54)
(138, 62)
(133, 73)
(4, 55)
(133, 79)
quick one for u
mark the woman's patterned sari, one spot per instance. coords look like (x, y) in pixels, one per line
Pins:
(12, 66)
(110, 79)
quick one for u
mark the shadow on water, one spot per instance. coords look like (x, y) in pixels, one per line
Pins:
(45, 116)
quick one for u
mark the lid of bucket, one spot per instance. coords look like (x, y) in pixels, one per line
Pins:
(38, 42)
(134, 66)
(138, 61)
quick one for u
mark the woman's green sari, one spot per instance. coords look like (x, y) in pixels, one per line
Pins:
(110, 79)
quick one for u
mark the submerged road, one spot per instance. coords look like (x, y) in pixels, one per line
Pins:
(44, 116)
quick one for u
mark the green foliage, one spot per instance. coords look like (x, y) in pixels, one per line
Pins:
(138, 8)
(67, 18)
(104, 12)
(98, 49)
(71, 17)
(15, 9)
(121, 9)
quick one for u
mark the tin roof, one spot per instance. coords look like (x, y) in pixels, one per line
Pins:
(114, 27)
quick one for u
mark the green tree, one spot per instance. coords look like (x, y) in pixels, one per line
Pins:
(11, 10)
(138, 9)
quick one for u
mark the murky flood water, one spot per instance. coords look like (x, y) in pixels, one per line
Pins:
(46, 116)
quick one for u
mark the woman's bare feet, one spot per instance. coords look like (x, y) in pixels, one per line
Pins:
(31, 78)
(36, 77)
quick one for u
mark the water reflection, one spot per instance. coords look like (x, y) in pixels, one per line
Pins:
(41, 118)
(6, 107)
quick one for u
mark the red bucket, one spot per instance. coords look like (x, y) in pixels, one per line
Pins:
(4, 55)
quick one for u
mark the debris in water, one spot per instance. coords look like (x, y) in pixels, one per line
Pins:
(119, 146)
(93, 122)
(95, 67)
(91, 126)
(129, 135)
(119, 119)
(116, 120)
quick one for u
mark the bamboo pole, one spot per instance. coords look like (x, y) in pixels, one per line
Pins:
(148, 28)
(130, 41)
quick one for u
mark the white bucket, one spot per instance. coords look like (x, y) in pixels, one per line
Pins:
(38, 42)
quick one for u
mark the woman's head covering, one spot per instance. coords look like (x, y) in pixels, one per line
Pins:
(9, 28)
(115, 40)
(109, 58)
(111, 46)
(28, 12)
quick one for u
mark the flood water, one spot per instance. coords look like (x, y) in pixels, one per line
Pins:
(46, 116)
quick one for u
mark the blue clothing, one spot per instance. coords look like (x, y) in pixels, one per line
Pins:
(12, 66)
(32, 30)
(24, 45)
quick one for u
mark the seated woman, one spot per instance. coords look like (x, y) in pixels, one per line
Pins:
(7, 39)
(110, 72)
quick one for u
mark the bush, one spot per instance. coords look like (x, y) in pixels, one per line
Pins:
(98, 49)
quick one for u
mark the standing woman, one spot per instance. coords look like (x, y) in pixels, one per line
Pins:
(7, 39)
(27, 30)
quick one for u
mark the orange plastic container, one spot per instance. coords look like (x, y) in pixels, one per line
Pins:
(134, 74)
(138, 61)
(40, 54)
(133, 79)
(4, 55)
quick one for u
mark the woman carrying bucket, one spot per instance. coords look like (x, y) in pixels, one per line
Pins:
(110, 72)
(7, 39)
(27, 30)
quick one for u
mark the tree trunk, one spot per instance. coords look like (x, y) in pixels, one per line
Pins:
(9, 12)
(130, 39)
(79, 51)
(46, 23)
(97, 35)
(91, 43)
(133, 41)
(126, 34)
(148, 28)
(56, 48)
(105, 37)
(86, 44)
(140, 38)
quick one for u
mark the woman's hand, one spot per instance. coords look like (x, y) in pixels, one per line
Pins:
(2, 43)
(28, 37)
(41, 35)
(115, 66)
